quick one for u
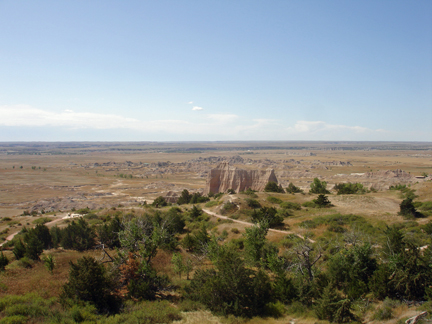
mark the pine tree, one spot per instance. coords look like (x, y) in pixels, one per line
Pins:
(188, 242)
(19, 249)
(34, 247)
(322, 201)
(89, 282)
(177, 263)
(318, 187)
(4, 261)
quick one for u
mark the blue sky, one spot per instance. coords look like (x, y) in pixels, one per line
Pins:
(215, 70)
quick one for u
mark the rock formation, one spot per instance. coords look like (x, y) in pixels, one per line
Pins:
(224, 177)
(389, 174)
(171, 197)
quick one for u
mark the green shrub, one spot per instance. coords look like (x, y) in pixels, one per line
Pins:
(268, 214)
(4, 261)
(235, 230)
(224, 235)
(228, 207)
(276, 309)
(232, 289)
(218, 195)
(284, 212)
(336, 228)
(49, 262)
(428, 228)
(212, 203)
(398, 187)
(14, 319)
(184, 198)
(145, 313)
(237, 244)
(27, 306)
(292, 189)
(159, 202)
(309, 204)
(408, 210)
(318, 187)
(89, 282)
(290, 240)
(385, 311)
(290, 205)
(83, 313)
(274, 200)
(252, 203)
(297, 308)
(26, 263)
(426, 206)
(272, 186)
(78, 236)
(19, 248)
(198, 198)
(349, 188)
(308, 224)
(188, 305)
(250, 193)
(332, 306)
(83, 211)
(322, 201)
(42, 220)
(91, 216)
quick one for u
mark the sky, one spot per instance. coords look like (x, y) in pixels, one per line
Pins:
(198, 70)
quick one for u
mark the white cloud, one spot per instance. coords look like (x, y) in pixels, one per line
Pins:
(190, 102)
(303, 126)
(24, 115)
(197, 108)
(223, 118)
(212, 126)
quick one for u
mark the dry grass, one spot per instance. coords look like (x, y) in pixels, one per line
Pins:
(206, 317)
(19, 281)
(199, 317)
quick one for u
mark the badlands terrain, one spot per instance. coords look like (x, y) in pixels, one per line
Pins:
(59, 177)
(48, 183)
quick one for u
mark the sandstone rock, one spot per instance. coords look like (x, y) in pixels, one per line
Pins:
(225, 177)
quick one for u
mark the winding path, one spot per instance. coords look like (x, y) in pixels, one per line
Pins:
(251, 224)
(10, 237)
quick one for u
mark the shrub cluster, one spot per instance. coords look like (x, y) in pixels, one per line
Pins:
(195, 198)
(349, 188)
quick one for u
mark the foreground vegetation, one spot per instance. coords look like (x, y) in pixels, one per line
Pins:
(155, 265)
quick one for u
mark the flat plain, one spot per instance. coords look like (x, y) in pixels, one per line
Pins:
(60, 177)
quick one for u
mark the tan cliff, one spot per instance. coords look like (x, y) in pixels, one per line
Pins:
(225, 177)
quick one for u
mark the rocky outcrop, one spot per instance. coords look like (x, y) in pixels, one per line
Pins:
(171, 197)
(389, 174)
(225, 177)
(383, 179)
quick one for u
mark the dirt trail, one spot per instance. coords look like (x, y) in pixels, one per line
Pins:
(10, 237)
(251, 224)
